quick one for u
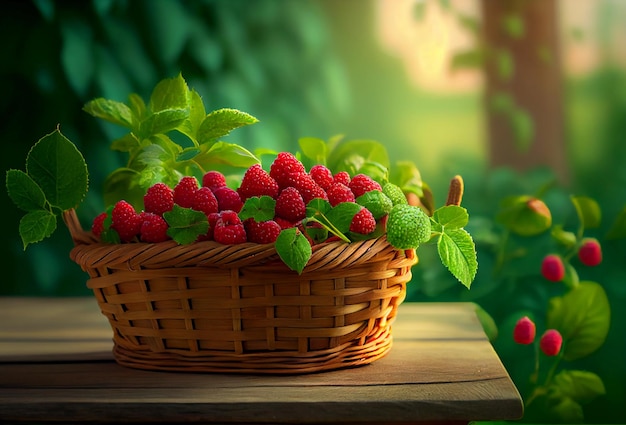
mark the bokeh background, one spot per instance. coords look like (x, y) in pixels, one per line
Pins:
(517, 96)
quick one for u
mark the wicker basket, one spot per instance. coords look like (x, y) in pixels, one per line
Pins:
(207, 307)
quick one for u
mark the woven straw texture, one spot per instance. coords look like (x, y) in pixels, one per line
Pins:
(207, 307)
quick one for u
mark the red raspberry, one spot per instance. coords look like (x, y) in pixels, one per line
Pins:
(362, 183)
(290, 205)
(208, 236)
(338, 193)
(204, 200)
(159, 198)
(229, 229)
(552, 268)
(342, 177)
(524, 331)
(590, 252)
(550, 342)
(153, 228)
(125, 221)
(213, 180)
(262, 231)
(307, 187)
(185, 190)
(228, 199)
(97, 225)
(322, 176)
(284, 223)
(257, 182)
(285, 164)
(363, 222)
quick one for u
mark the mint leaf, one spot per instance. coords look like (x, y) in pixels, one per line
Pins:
(126, 143)
(111, 111)
(59, 169)
(24, 192)
(186, 224)
(377, 202)
(222, 153)
(170, 94)
(342, 214)
(36, 226)
(458, 253)
(317, 207)
(221, 122)
(259, 208)
(197, 113)
(451, 217)
(162, 122)
(294, 249)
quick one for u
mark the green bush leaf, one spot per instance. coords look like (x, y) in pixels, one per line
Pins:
(458, 253)
(377, 202)
(524, 215)
(186, 224)
(126, 143)
(197, 113)
(221, 122)
(565, 238)
(581, 386)
(230, 154)
(59, 169)
(24, 192)
(313, 148)
(36, 226)
(583, 317)
(451, 217)
(294, 249)
(352, 154)
(170, 94)
(162, 122)
(341, 215)
(260, 208)
(111, 111)
(588, 211)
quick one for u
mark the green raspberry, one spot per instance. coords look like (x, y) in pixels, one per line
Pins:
(375, 201)
(394, 193)
(407, 226)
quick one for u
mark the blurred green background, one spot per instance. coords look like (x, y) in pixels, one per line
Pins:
(426, 78)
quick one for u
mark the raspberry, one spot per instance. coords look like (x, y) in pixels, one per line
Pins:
(285, 164)
(524, 331)
(228, 199)
(185, 190)
(257, 182)
(338, 193)
(342, 177)
(552, 268)
(262, 231)
(97, 225)
(363, 222)
(213, 180)
(550, 342)
(407, 226)
(322, 176)
(362, 183)
(229, 229)
(159, 198)
(395, 193)
(153, 228)
(125, 221)
(208, 236)
(377, 202)
(284, 223)
(204, 200)
(290, 205)
(590, 252)
(307, 187)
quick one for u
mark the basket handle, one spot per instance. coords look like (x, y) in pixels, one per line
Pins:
(79, 236)
(455, 193)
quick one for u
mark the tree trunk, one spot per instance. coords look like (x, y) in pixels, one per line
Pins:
(528, 31)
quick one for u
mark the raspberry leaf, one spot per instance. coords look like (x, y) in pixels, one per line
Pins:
(458, 253)
(229, 154)
(451, 217)
(185, 224)
(579, 385)
(162, 122)
(221, 122)
(111, 111)
(588, 211)
(24, 192)
(294, 249)
(260, 208)
(314, 149)
(36, 226)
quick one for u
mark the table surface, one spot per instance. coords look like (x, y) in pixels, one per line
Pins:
(56, 365)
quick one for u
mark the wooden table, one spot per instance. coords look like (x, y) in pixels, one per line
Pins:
(56, 365)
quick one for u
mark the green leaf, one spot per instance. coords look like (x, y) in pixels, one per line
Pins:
(221, 122)
(618, 228)
(188, 154)
(565, 238)
(524, 215)
(458, 253)
(317, 207)
(196, 115)
(377, 202)
(583, 317)
(581, 386)
(138, 109)
(313, 148)
(126, 143)
(227, 154)
(162, 122)
(24, 192)
(341, 215)
(588, 211)
(186, 224)
(351, 155)
(406, 175)
(260, 208)
(59, 169)
(170, 94)
(571, 278)
(451, 217)
(111, 111)
(36, 226)
(294, 249)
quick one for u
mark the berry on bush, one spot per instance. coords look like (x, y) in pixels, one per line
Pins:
(524, 331)
(590, 252)
(552, 268)
(159, 198)
(550, 342)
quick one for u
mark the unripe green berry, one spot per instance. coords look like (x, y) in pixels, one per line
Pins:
(375, 201)
(395, 193)
(407, 226)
